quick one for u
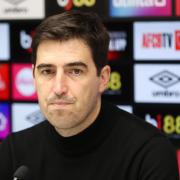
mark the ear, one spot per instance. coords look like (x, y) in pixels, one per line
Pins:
(104, 78)
(33, 69)
(33, 75)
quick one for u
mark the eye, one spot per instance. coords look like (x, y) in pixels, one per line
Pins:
(76, 72)
(47, 71)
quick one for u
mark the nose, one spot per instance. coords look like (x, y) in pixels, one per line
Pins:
(60, 84)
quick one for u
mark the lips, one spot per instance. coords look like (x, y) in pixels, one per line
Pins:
(61, 103)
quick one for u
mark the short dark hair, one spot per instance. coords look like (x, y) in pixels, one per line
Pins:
(75, 24)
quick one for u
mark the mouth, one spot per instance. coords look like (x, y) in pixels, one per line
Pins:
(60, 104)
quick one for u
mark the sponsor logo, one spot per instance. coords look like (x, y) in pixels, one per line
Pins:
(164, 117)
(22, 9)
(119, 8)
(23, 86)
(4, 81)
(115, 84)
(4, 120)
(30, 115)
(158, 41)
(138, 3)
(22, 39)
(26, 40)
(120, 89)
(15, 9)
(161, 40)
(168, 123)
(165, 79)
(162, 86)
(35, 117)
(69, 4)
(14, 2)
(118, 44)
(24, 82)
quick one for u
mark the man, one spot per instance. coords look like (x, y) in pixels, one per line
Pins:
(84, 137)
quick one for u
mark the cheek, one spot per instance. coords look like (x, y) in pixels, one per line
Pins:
(42, 90)
(88, 89)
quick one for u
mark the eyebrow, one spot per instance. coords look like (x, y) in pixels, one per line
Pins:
(78, 63)
(44, 66)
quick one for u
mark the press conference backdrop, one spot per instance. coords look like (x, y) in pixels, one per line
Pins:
(144, 54)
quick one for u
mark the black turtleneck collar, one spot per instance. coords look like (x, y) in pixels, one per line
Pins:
(87, 140)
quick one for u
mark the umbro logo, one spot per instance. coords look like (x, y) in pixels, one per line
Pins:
(14, 2)
(165, 79)
(35, 117)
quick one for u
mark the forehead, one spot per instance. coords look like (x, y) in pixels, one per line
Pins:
(62, 52)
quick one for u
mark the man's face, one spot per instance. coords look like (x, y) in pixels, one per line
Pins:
(68, 88)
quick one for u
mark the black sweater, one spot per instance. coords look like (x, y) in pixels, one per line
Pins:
(117, 146)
